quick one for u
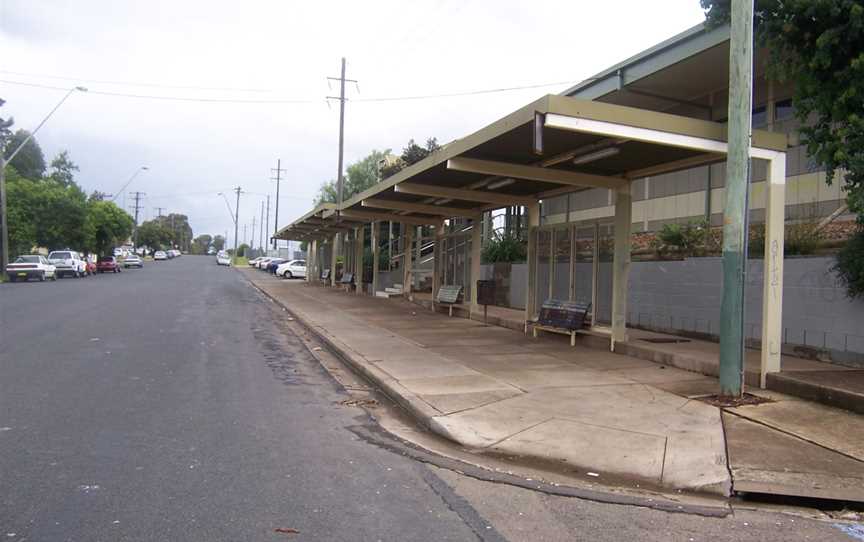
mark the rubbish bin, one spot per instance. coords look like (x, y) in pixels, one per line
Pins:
(485, 295)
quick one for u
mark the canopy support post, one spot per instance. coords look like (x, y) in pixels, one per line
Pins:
(621, 264)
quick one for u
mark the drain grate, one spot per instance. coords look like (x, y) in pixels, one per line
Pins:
(664, 340)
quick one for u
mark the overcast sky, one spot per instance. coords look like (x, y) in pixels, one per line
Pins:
(266, 52)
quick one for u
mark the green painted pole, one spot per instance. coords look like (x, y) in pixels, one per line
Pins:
(735, 209)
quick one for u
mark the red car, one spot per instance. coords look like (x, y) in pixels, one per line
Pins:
(107, 264)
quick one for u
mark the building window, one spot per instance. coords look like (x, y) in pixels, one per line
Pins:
(760, 116)
(783, 110)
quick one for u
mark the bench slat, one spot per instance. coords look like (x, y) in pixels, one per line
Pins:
(449, 294)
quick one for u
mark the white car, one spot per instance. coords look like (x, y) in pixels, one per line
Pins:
(159, 255)
(223, 259)
(262, 263)
(292, 269)
(68, 262)
(133, 261)
(31, 266)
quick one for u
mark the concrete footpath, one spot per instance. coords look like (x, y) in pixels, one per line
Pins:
(614, 418)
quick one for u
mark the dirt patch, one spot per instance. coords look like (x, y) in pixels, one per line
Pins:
(369, 403)
(730, 402)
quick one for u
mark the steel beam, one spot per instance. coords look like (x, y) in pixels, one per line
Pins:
(535, 173)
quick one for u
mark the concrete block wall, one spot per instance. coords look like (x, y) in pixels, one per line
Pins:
(685, 296)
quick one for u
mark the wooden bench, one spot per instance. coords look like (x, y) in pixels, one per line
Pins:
(565, 317)
(448, 295)
(347, 281)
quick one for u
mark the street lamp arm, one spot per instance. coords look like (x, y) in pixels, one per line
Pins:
(33, 133)
(230, 212)
(132, 178)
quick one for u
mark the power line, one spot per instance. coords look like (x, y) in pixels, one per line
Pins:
(382, 99)
(134, 84)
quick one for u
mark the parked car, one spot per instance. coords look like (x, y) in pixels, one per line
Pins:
(91, 264)
(223, 259)
(292, 269)
(262, 263)
(254, 261)
(107, 264)
(159, 255)
(68, 263)
(31, 266)
(273, 264)
(133, 261)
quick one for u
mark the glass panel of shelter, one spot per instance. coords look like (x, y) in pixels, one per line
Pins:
(574, 262)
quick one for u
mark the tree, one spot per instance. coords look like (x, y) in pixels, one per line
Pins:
(242, 250)
(218, 242)
(179, 228)
(63, 169)
(29, 162)
(359, 176)
(201, 244)
(153, 235)
(21, 195)
(106, 226)
(44, 213)
(411, 154)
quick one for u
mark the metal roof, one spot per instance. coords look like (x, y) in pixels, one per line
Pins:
(552, 146)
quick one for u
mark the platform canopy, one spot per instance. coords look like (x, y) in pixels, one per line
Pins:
(552, 146)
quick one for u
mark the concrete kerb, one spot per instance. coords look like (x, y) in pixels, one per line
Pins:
(426, 415)
(419, 409)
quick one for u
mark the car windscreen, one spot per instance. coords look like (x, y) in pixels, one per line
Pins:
(106, 258)
(60, 256)
(27, 259)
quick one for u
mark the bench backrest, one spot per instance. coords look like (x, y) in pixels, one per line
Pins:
(449, 293)
(347, 278)
(563, 314)
(325, 274)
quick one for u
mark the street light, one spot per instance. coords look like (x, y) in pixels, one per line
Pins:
(4, 227)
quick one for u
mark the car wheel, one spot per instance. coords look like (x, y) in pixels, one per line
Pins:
(12, 278)
(288, 275)
(42, 277)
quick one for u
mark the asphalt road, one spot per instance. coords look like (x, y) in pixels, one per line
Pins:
(165, 404)
(173, 403)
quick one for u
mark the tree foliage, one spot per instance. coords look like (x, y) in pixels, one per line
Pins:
(201, 244)
(30, 161)
(850, 265)
(218, 242)
(411, 154)
(359, 176)
(180, 232)
(105, 226)
(63, 169)
(154, 235)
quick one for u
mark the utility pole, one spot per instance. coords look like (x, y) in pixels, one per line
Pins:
(252, 244)
(261, 226)
(137, 207)
(277, 178)
(342, 100)
(236, 220)
(159, 211)
(267, 228)
(735, 209)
